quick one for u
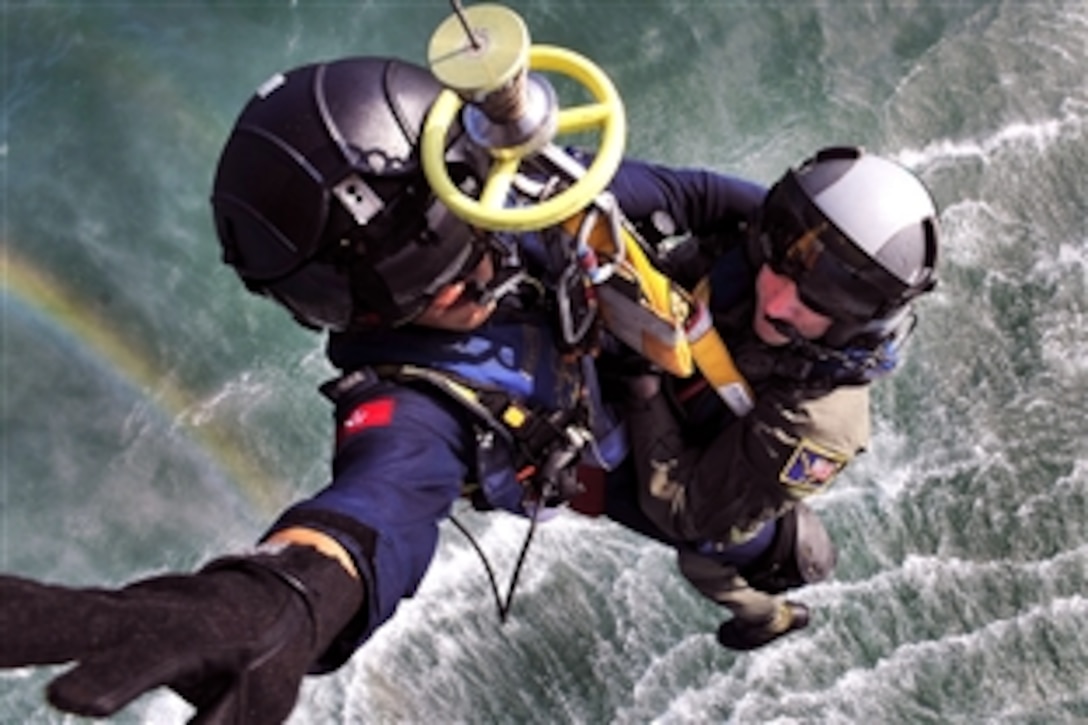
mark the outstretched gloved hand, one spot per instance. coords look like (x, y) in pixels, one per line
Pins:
(234, 639)
(743, 635)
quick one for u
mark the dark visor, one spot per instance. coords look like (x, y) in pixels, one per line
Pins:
(832, 275)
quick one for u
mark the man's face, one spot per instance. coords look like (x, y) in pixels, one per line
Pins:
(777, 300)
(452, 309)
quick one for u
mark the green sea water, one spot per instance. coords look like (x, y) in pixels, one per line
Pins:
(155, 415)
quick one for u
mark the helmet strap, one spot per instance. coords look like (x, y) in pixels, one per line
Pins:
(854, 364)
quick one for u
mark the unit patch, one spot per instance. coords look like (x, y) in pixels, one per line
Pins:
(371, 414)
(810, 468)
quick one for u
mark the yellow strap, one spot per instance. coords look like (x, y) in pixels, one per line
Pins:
(661, 320)
(638, 304)
(713, 358)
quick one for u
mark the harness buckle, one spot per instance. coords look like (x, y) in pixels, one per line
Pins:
(558, 476)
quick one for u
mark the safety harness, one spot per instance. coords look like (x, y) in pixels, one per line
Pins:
(546, 443)
(653, 315)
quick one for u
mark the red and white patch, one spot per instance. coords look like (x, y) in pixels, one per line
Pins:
(371, 414)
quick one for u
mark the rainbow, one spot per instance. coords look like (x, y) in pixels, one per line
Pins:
(30, 285)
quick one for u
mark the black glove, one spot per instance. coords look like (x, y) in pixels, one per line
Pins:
(234, 639)
(744, 636)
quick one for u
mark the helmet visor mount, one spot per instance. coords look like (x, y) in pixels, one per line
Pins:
(399, 258)
(833, 277)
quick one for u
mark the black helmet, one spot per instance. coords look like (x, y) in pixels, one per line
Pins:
(802, 553)
(858, 234)
(320, 200)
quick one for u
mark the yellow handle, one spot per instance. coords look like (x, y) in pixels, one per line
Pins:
(488, 212)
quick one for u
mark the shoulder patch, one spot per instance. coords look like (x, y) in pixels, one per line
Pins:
(810, 468)
(376, 413)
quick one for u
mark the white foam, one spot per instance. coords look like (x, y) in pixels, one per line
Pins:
(1039, 136)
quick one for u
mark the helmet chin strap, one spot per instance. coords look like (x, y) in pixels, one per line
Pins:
(509, 276)
(843, 365)
(504, 282)
(798, 341)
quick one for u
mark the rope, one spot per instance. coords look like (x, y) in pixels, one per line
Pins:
(503, 605)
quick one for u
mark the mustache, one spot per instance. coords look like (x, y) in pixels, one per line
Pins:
(785, 328)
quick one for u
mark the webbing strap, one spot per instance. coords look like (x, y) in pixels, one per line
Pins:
(536, 436)
(500, 412)
(652, 314)
(712, 356)
(636, 301)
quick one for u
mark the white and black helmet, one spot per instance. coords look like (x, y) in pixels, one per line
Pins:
(858, 235)
(320, 201)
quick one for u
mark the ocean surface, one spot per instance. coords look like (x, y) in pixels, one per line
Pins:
(155, 415)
